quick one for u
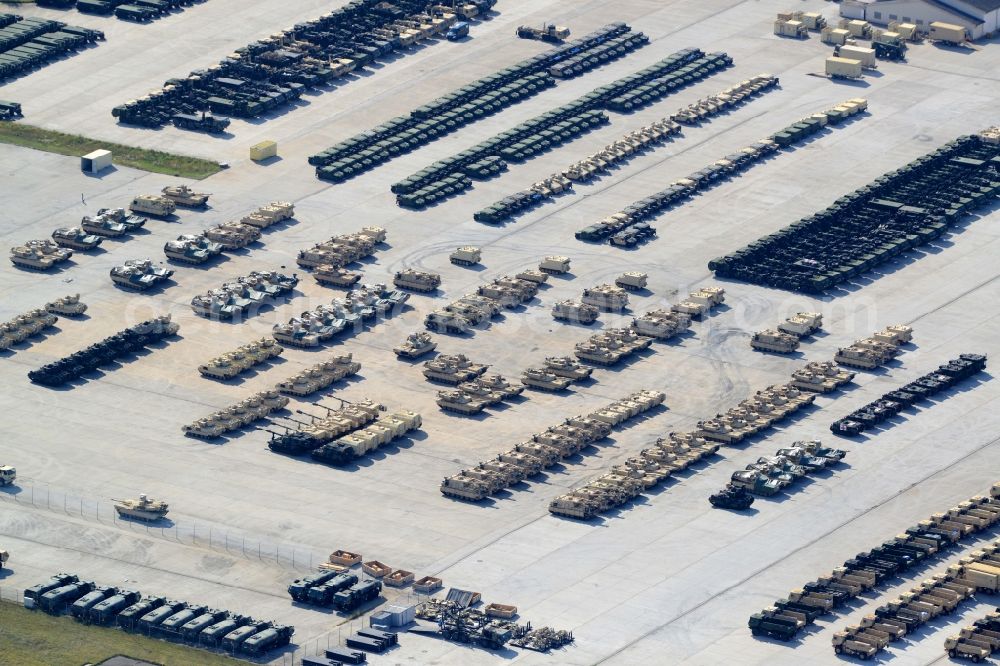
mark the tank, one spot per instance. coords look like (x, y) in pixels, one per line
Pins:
(182, 195)
(446, 322)
(151, 204)
(233, 235)
(802, 324)
(500, 385)
(460, 402)
(415, 280)
(141, 508)
(39, 255)
(191, 249)
(416, 345)
(554, 265)
(336, 277)
(810, 381)
(606, 297)
(531, 275)
(632, 280)
(568, 367)
(119, 216)
(464, 488)
(75, 238)
(774, 341)
(446, 371)
(546, 381)
(139, 274)
(295, 334)
(573, 311)
(67, 306)
(754, 482)
(466, 256)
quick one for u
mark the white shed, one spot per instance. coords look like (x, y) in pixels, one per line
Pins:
(96, 161)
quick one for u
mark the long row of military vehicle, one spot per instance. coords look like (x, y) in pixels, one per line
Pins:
(771, 475)
(976, 641)
(29, 43)
(546, 448)
(319, 376)
(341, 250)
(367, 304)
(899, 211)
(194, 624)
(241, 359)
(785, 338)
(101, 353)
(25, 326)
(140, 11)
(892, 403)
(237, 416)
(623, 149)
(463, 106)
(878, 568)
(245, 296)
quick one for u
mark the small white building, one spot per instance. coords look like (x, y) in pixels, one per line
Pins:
(980, 18)
(96, 161)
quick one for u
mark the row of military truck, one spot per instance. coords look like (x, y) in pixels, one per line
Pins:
(195, 624)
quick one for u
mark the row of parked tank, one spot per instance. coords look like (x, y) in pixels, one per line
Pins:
(344, 434)
(339, 251)
(366, 304)
(319, 376)
(773, 474)
(892, 403)
(454, 110)
(941, 594)
(241, 359)
(462, 314)
(104, 352)
(877, 350)
(27, 43)
(621, 150)
(244, 296)
(565, 122)
(619, 226)
(30, 324)
(546, 448)
(269, 74)
(879, 568)
(197, 249)
(141, 11)
(785, 338)
(894, 213)
(474, 390)
(236, 416)
(194, 624)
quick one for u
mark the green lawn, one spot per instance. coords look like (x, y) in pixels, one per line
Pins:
(31, 638)
(29, 136)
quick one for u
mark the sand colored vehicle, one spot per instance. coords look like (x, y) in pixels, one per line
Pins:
(802, 324)
(141, 508)
(182, 195)
(414, 280)
(328, 274)
(568, 367)
(466, 256)
(151, 204)
(632, 280)
(272, 213)
(554, 265)
(574, 311)
(67, 306)
(37, 257)
(464, 487)
(606, 297)
(531, 275)
(545, 381)
(76, 238)
(774, 341)
(233, 235)
(415, 345)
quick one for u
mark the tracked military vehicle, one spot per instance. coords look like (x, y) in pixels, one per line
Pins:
(336, 277)
(447, 322)
(233, 235)
(573, 311)
(632, 280)
(139, 274)
(76, 238)
(466, 256)
(272, 213)
(416, 345)
(141, 508)
(182, 195)
(554, 265)
(545, 381)
(568, 367)
(191, 249)
(606, 297)
(415, 280)
(39, 255)
(774, 341)
(460, 402)
(452, 369)
(151, 204)
(464, 487)
(67, 306)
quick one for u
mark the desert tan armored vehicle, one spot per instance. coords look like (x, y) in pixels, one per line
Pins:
(699, 303)
(446, 370)
(802, 324)
(141, 508)
(479, 391)
(37, 256)
(139, 274)
(661, 324)
(233, 235)
(810, 381)
(295, 334)
(531, 275)
(829, 370)
(447, 322)
(500, 385)
(415, 280)
(854, 357)
(504, 296)
(67, 306)
(588, 351)
(265, 216)
(191, 249)
(75, 238)
(606, 297)
(568, 367)
(226, 366)
(464, 487)
(182, 195)
(575, 312)
(632, 280)
(546, 381)
(896, 334)
(24, 326)
(416, 345)
(774, 341)
(337, 277)
(574, 506)
(554, 265)
(530, 464)
(466, 256)
(205, 428)
(151, 204)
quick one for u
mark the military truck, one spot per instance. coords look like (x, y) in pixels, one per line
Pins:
(82, 606)
(33, 594)
(56, 600)
(129, 618)
(151, 204)
(268, 639)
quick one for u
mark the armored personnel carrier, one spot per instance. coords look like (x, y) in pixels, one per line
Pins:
(67, 306)
(416, 345)
(802, 324)
(415, 280)
(606, 297)
(446, 322)
(554, 265)
(774, 341)
(573, 311)
(464, 487)
(151, 204)
(632, 280)
(466, 256)
(568, 367)
(233, 235)
(139, 274)
(141, 508)
(39, 255)
(460, 402)
(272, 213)
(192, 249)
(531, 275)
(545, 381)
(75, 238)
(336, 277)
(661, 324)
(182, 195)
